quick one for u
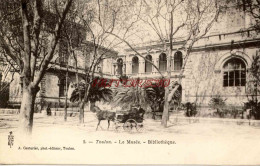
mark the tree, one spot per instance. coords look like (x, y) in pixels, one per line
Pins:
(252, 88)
(74, 34)
(5, 79)
(128, 95)
(100, 19)
(31, 47)
(96, 93)
(155, 97)
(252, 7)
(168, 20)
(176, 15)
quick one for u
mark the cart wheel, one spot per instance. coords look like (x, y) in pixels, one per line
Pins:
(140, 127)
(129, 125)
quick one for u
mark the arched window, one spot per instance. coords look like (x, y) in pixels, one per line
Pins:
(120, 66)
(234, 73)
(162, 62)
(135, 65)
(148, 65)
(178, 60)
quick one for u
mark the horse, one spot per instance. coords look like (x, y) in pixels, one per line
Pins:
(104, 115)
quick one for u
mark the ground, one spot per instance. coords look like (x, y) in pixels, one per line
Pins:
(192, 142)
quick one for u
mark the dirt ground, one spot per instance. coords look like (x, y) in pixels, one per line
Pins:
(57, 142)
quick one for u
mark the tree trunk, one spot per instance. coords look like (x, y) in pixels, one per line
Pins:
(92, 104)
(27, 109)
(82, 104)
(165, 115)
(66, 103)
(66, 96)
(165, 108)
(81, 112)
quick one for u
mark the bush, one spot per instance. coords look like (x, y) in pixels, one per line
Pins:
(218, 104)
(191, 109)
(232, 112)
(254, 107)
(223, 110)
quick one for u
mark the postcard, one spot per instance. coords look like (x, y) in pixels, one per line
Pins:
(130, 82)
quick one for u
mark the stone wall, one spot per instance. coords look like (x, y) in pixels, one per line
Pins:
(204, 78)
(203, 73)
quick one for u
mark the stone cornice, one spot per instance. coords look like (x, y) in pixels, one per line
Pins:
(219, 42)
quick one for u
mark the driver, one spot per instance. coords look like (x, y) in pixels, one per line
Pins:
(141, 111)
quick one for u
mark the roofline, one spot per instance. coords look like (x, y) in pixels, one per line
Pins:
(160, 44)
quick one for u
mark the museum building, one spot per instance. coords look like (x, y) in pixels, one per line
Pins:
(218, 66)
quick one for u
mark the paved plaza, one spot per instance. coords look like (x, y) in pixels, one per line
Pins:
(192, 142)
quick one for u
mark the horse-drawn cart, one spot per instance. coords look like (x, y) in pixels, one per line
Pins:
(132, 119)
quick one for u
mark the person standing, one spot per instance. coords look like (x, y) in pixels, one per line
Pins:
(48, 110)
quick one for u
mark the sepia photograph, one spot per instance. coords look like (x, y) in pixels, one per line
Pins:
(130, 82)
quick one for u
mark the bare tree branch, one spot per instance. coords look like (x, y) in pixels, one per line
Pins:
(53, 43)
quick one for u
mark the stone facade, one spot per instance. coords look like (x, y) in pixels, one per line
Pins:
(228, 43)
(51, 91)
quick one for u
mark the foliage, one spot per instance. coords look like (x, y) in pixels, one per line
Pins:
(176, 96)
(191, 109)
(254, 107)
(4, 95)
(96, 92)
(223, 110)
(230, 112)
(123, 78)
(152, 96)
(255, 68)
(28, 42)
(217, 102)
(253, 90)
(127, 96)
(155, 97)
(252, 7)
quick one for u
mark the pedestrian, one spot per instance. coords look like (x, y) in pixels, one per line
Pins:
(48, 110)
